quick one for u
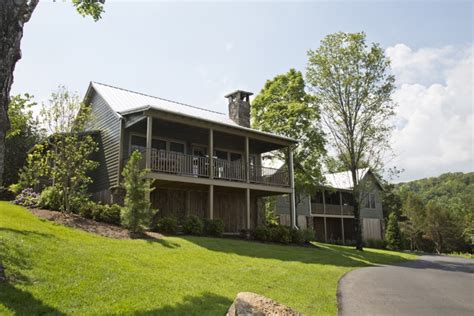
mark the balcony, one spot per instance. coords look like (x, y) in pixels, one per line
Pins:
(197, 166)
(332, 209)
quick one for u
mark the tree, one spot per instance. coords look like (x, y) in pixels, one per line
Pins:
(65, 155)
(442, 229)
(23, 135)
(391, 201)
(353, 84)
(393, 236)
(136, 213)
(13, 16)
(414, 212)
(284, 107)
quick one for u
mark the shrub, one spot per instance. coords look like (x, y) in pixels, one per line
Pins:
(193, 225)
(280, 234)
(50, 198)
(167, 225)
(393, 235)
(86, 209)
(77, 200)
(107, 213)
(213, 227)
(261, 233)
(375, 243)
(302, 236)
(27, 197)
(137, 213)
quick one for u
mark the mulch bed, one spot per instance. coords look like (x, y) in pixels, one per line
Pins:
(91, 226)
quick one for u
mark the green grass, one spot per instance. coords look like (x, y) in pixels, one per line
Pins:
(60, 270)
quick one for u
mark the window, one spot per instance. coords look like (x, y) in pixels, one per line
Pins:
(177, 147)
(235, 156)
(220, 154)
(370, 200)
(158, 144)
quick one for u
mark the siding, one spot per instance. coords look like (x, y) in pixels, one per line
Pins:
(109, 125)
(283, 205)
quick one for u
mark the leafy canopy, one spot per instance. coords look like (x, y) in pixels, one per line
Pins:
(284, 107)
(353, 85)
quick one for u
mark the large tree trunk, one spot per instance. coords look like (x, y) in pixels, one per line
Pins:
(13, 15)
(357, 224)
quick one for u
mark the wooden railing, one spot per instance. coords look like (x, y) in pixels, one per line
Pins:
(266, 175)
(331, 209)
(178, 163)
(189, 165)
(230, 170)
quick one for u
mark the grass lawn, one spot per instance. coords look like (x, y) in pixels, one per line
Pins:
(60, 270)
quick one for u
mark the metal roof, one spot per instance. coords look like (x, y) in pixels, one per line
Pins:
(123, 102)
(343, 180)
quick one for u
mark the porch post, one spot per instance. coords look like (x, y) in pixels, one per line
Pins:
(324, 218)
(247, 204)
(149, 129)
(211, 201)
(211, 153)
(342, 217)
(247, 160)
(293, 218)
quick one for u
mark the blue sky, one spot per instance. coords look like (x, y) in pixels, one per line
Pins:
(196, 52)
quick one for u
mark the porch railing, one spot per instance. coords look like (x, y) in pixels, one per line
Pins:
(196, 166)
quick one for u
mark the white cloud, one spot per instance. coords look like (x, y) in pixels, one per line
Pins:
(228, 46)
(435, 115)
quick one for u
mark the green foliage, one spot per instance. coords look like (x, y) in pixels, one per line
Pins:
(93, 8)
(50, 198)
(106, 213)
(391, 201)
(193, 225)
(283, 234)
(280, 234)
(22, 136)
(393, 235)
(302, 236)
(270, 210)
(27, 197)
(213, 227)
(261, 233)
(136, 214)
(167, 225)
(353, 85)
(284, 107)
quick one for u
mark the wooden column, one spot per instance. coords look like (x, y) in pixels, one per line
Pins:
(342, 217)
(211, 201)
(247, 160)
(149, 134)
(324, 218)
(211, 153)
(293, 218)
(149, 131)
(247, 207)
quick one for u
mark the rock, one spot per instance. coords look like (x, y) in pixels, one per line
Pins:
(247, 303)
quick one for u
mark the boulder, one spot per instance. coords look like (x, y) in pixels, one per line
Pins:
(247, 303)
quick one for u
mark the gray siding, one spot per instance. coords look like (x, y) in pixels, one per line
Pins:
(283, 205)
(376, 212)
(108, 123)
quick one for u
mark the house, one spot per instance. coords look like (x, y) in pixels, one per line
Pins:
(330, 211)
(201, 162)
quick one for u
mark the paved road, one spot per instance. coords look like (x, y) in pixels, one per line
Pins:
(432, 285)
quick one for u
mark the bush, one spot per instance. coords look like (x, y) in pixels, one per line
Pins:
(193, 225)
(375, 243)
(393, 235)
(213, 227)
(280, 234)
(86, 209)
(302, 236)
(27, 197)
(106, 213)
(77, 201)
(261, 233)
(167, 225)
(50, 198)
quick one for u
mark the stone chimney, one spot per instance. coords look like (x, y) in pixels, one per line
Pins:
(239, 107)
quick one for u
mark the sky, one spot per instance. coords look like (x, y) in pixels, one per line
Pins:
(196, 52)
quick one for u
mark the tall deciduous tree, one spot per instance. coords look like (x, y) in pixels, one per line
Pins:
(353, 84)
(284, 107)
(13, 16)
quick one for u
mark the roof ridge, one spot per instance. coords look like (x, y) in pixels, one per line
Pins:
(155, 97)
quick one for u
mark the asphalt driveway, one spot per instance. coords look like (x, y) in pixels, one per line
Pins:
(431, 285)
